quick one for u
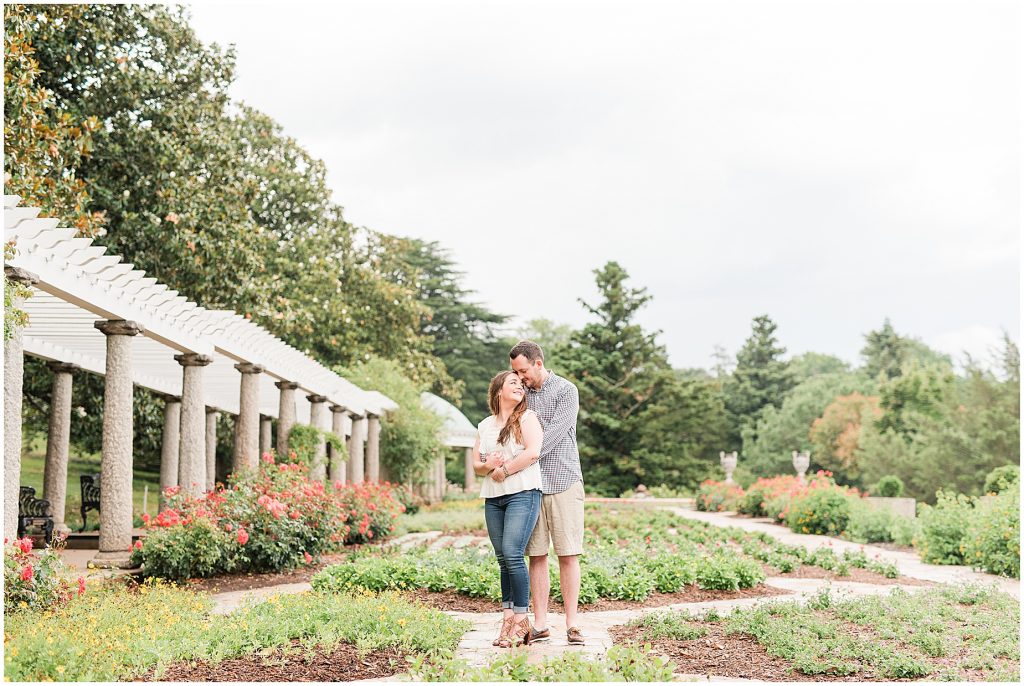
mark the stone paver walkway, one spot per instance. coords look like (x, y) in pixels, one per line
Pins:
(908, 563)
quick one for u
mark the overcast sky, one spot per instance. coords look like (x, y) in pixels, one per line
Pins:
(829, 164)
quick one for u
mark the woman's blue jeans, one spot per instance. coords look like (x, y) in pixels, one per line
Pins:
(510, 521)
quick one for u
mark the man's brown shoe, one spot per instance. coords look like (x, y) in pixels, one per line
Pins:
(538, 636)
(575, 636)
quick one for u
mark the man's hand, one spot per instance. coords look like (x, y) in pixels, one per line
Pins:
(498, 474)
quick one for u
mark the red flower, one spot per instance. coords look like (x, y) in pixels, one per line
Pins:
(268, 458)
(309, 558)
(25, 544)
(81, 585)
(243, 536)
(26, 573)
(138, 545)
(145, 518)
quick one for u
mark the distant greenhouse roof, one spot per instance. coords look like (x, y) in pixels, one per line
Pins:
(459, 432)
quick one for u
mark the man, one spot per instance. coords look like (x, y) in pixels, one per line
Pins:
(557, 403)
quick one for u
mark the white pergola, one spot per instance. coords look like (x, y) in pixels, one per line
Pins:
(456, 432)
(91, 311)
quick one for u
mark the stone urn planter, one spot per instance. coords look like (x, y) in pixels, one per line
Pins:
(728, 462)
(801, 463)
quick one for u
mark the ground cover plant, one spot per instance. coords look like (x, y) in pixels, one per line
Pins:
(958, 633)
(619, 664)
(118, 633)
(266, 519)
(450, 516)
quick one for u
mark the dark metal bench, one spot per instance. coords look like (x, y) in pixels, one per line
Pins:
(90, 494)
(33, 511)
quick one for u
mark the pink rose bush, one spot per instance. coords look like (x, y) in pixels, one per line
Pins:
(267, 519)
(38, 581)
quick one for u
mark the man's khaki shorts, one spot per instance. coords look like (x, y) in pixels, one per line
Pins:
(560, 523)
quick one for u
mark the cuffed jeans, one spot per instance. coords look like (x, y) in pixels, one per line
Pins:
(510, 521)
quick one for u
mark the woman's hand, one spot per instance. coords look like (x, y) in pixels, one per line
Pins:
(498, 474)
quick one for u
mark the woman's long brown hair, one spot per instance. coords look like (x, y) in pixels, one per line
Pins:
(512, 426)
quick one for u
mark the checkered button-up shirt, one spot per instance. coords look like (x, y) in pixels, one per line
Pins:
(557, 405)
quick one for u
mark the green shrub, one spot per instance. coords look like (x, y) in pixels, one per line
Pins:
(868, 524)
(903, 530)
(824, 511)
(1002, 478)
(889, 487)
(717, 496)
(943, 529)
(992, 540)
(200, 549)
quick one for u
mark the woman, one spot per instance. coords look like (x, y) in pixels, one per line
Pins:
(506, 453)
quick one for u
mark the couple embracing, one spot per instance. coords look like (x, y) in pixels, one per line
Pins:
(533, 492)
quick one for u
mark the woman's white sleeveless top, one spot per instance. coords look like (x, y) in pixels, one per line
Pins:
(524, 480)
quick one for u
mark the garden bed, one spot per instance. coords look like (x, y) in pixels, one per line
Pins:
(342, 662)
(857, 575)
(454, 602)
(946, 633)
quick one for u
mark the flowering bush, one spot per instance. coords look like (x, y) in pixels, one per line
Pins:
(718, 496)
(757, 498)
(267, 519)
(37, 582)
(944, 529)
(821, 510)
(992, 541)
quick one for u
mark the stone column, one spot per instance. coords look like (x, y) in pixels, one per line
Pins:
(211, 447)
(355, 450)
(55, 473)
(285, 416)
(470, 475)
(339, 461)
(266, 441)
(14, 374)
(116, 461)
(247, 426)
(192, 450)
(440, 479)
(372, 447)
(170, 446)
(318, 470)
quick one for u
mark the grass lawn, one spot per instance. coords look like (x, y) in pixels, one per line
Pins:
(33, 462)
(451, 516)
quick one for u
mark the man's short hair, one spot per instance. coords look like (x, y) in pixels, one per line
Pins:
(527, 349)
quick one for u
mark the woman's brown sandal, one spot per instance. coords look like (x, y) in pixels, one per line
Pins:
(506, 628)
(519, 634)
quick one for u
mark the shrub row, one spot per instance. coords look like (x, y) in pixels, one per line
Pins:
(982, 532)
(606, 572)
(267, 519)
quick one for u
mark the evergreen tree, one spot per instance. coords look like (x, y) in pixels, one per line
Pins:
(761, 377)
(884, 352)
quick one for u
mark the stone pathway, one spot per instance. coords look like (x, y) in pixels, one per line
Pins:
(908, 563)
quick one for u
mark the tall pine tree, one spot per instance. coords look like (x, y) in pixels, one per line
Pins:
(761, 378)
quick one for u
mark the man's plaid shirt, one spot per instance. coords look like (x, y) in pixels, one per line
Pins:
(557, 404)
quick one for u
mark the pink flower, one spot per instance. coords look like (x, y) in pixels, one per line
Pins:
(81, 585)
(268, 458)
(138, 545)
(26, 573)
(25, 544)
(243, 536)
(309, 558)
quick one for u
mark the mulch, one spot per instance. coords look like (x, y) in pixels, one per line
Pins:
(856, 574)
(736, 656)
(246, 582)
(453, 602)
(338, 663)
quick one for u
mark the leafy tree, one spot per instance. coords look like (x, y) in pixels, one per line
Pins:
(918, 391)
(410, 436)
(761, 377)
(463, 334)
(547, 333)
(835, 435)
(768, 446)
(887, 353)
(811, 364)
